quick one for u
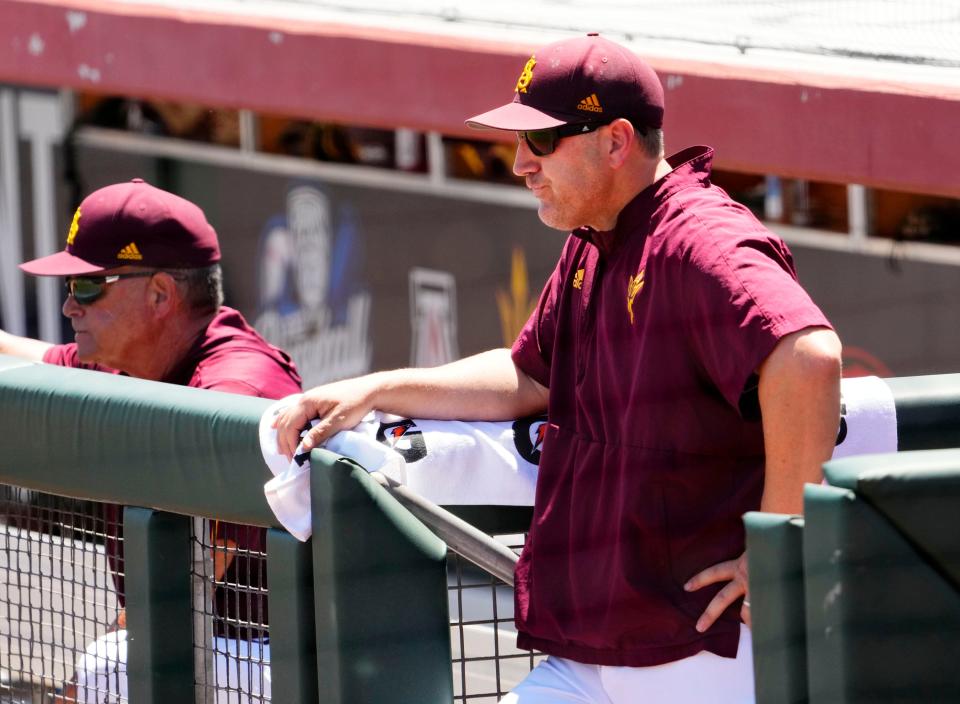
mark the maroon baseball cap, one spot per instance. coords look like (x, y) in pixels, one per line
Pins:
(586, 79)
(132, 223)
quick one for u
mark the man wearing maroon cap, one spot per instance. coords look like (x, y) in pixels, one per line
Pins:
(144, 297)
(687, 378)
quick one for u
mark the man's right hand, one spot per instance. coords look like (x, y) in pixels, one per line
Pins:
(338, 406)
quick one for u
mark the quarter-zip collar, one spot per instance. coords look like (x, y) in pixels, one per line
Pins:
(690, 167)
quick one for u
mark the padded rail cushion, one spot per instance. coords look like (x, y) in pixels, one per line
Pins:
(883, 626)
(8, 363)
(112, 438)
(775, 548)
(918, 492)
(928, 411)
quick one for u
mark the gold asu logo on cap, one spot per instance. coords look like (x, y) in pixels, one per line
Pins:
(634, 284)
(130, 252)
(526, 76)
(74, 226)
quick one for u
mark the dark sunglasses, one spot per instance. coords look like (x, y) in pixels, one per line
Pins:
(544, 142)
(86, 289)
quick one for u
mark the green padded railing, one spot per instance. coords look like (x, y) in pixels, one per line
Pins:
(357, 614)
(928, 411)
(175, 452)
(128, 441)
(881, 551)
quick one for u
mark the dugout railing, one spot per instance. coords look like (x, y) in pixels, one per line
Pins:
(360, 612)
(169, 453)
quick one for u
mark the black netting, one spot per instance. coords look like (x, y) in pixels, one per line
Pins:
(232, 646)
(60, 639)
(486, 660)
(62, 630)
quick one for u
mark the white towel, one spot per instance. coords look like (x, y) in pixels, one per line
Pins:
(447, 462)
(457, 463)
(868, 420)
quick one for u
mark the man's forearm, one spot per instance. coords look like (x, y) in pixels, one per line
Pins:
(800, 403)
(486, 386)
(25, 347)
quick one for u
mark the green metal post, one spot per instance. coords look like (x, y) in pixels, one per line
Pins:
(775, 549)
(383, 626)
(158, 600)
(293, 648)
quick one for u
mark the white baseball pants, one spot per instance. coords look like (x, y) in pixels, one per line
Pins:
(703, 678)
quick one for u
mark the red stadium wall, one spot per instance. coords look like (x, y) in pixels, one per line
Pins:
(840, 129)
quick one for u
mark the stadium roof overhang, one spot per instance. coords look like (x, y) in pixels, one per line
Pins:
(856, 122)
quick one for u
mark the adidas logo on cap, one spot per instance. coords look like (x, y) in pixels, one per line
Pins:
(130, 252)
(590, 104)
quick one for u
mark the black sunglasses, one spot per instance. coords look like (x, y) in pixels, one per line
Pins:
(544, 142)
(87, 289)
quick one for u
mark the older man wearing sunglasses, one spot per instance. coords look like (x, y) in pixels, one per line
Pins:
(687, 378)
(144, 297)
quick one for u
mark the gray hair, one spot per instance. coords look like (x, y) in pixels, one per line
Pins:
(651, 142)
(202, 289)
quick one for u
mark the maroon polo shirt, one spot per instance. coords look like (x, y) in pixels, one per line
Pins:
(648, 337)
(229, 356)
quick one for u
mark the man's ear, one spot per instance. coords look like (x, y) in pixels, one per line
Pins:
(163, 294)
(622, 139)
